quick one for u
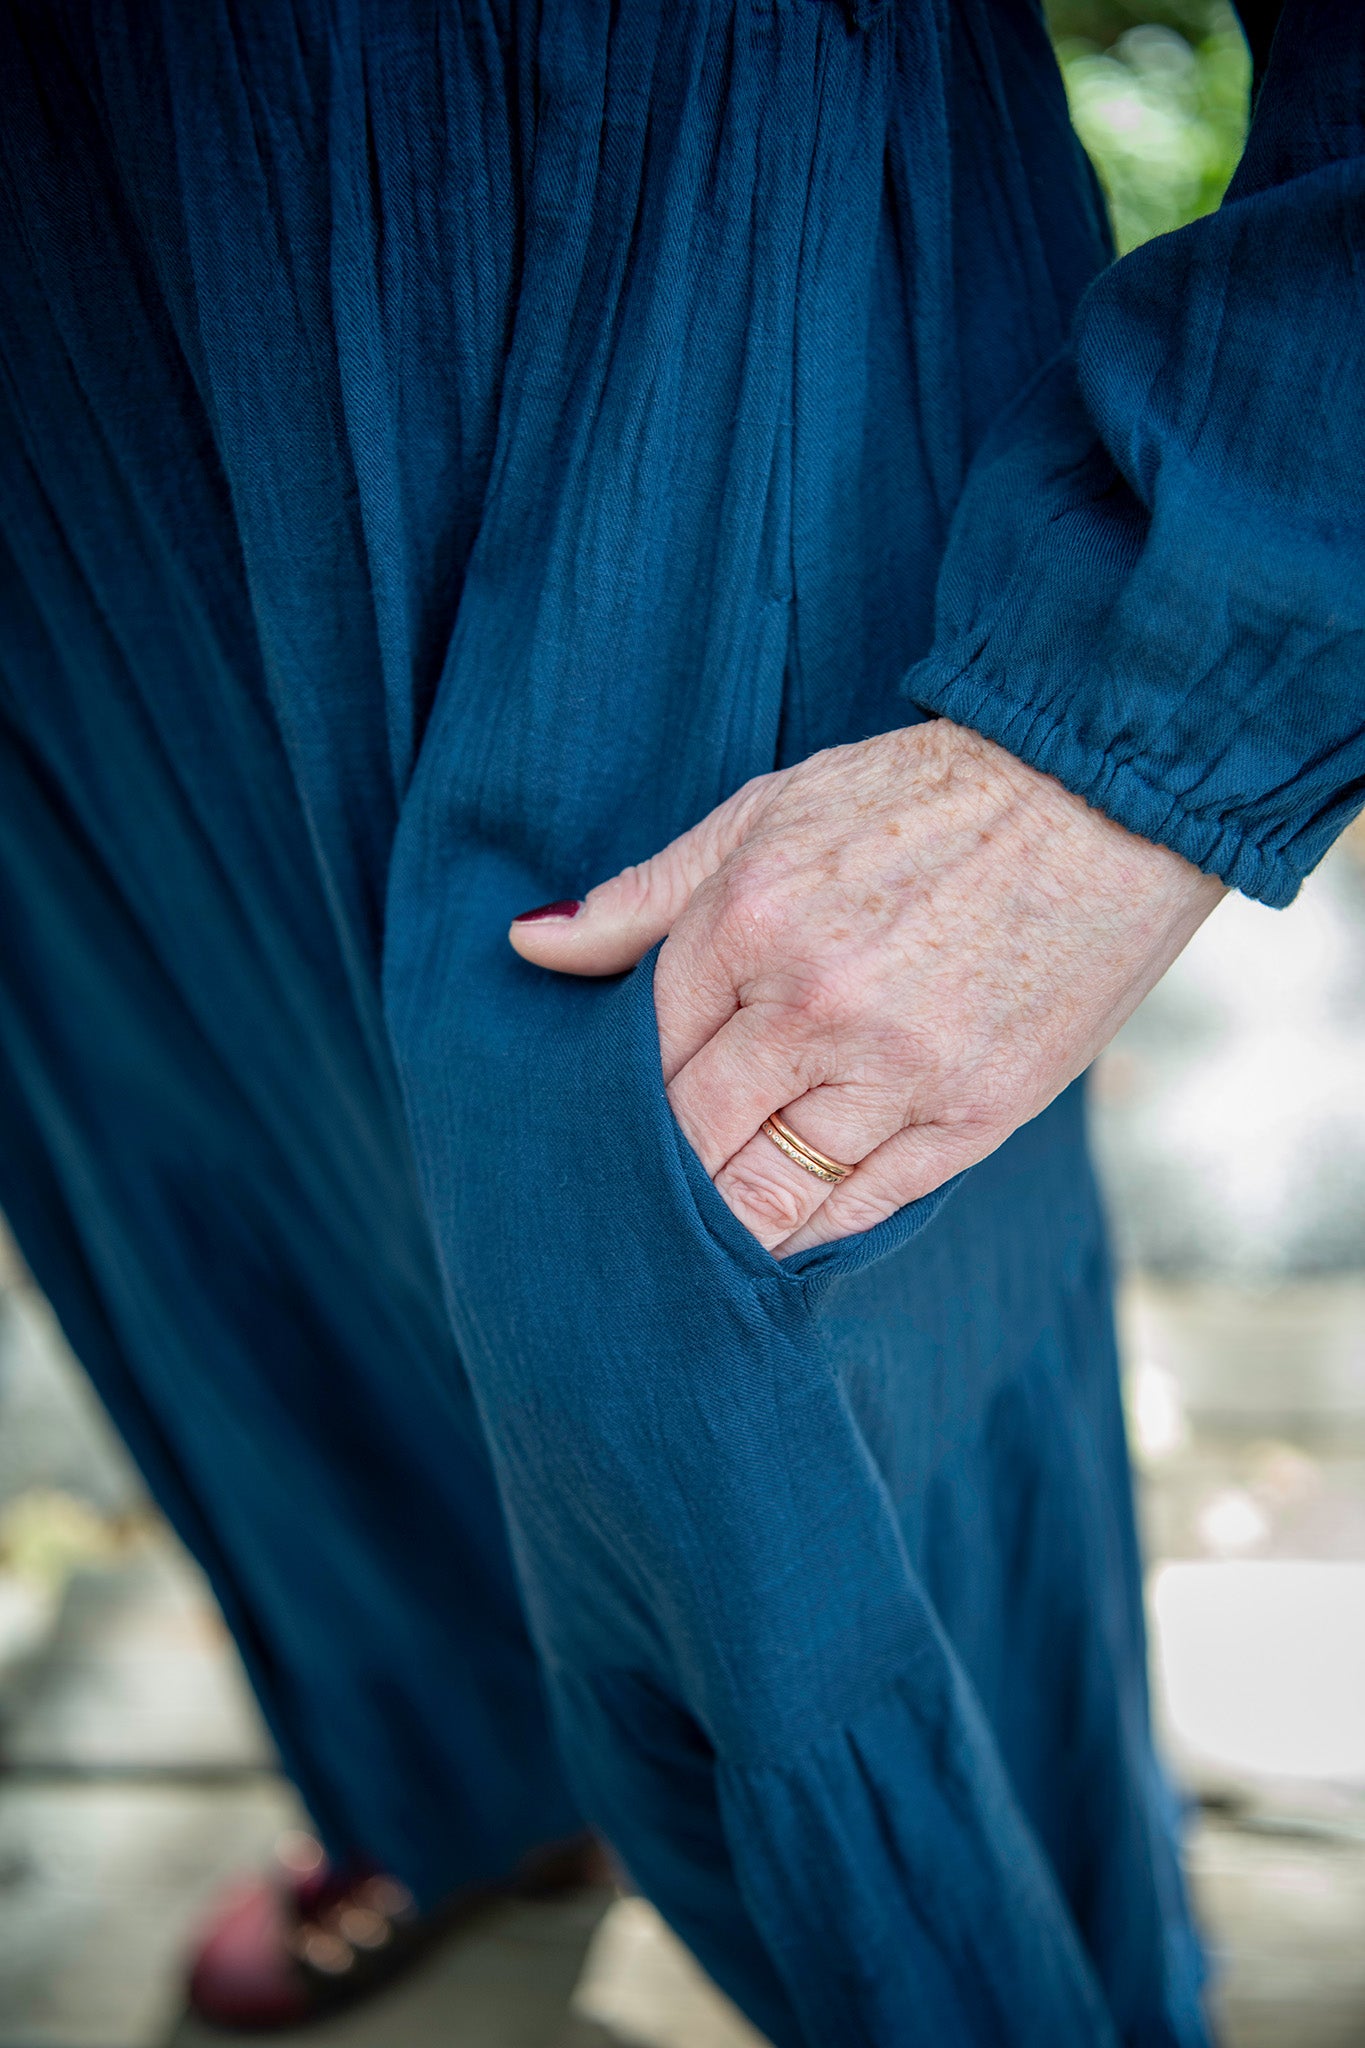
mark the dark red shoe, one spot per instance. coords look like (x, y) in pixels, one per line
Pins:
(306, 1940)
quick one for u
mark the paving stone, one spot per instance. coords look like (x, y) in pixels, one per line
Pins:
(1259, 1674)
(592, 1972)
(1284, 1358)
(100, 1887)
(53, 1431)
(140, 1673)
(504, 1981)
(641, 1985)
(1284, 1921)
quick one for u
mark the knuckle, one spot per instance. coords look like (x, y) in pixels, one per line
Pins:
(994, 1093)
(764, 1196)
(758, 923)
(819, 999)
(814, 1013)
(752, 908)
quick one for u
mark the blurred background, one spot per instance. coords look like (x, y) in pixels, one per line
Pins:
(1230, 1123)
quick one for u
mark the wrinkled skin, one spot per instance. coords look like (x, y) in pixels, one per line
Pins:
(907, 947)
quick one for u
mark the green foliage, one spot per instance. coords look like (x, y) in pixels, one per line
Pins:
(1158, 92)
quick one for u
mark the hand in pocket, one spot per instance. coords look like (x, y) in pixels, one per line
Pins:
(904, 949)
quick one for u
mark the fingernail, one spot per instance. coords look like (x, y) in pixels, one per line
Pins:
(568, 907)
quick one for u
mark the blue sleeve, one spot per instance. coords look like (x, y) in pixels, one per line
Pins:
(1154, 588)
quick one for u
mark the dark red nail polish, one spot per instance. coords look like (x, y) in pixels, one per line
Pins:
(569, 906)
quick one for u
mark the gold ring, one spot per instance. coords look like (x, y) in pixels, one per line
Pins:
(786, 1140)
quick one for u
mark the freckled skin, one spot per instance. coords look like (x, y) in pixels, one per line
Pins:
(903, 1011)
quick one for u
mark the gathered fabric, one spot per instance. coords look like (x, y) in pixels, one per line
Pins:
(1154, 585)
(446, 450)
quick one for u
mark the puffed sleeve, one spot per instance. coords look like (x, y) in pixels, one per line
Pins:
(1154, 587)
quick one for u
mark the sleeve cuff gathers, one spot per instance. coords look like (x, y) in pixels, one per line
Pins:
(1154, 585)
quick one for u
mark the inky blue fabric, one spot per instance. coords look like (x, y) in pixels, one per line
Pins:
(446, 449)
(1154, 588)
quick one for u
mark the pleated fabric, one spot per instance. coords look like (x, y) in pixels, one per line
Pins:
(446, 450)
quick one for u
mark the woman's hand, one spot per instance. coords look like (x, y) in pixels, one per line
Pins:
(906, 947)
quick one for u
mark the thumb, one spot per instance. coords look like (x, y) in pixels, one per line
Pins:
(616, 923)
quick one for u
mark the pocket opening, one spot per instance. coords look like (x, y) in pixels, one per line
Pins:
(813, 1268)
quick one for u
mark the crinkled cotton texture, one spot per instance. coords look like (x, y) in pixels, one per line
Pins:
(1155, 587)
(446, 450)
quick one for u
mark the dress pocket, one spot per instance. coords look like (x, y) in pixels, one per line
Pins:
(812, 1268)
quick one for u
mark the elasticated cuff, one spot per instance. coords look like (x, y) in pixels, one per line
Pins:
(980, 697)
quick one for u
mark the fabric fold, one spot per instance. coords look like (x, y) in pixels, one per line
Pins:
(1155, 584)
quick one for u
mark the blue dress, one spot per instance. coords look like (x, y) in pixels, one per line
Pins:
(446, 449)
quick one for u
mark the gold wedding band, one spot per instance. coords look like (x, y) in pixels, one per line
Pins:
(786, 1140)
